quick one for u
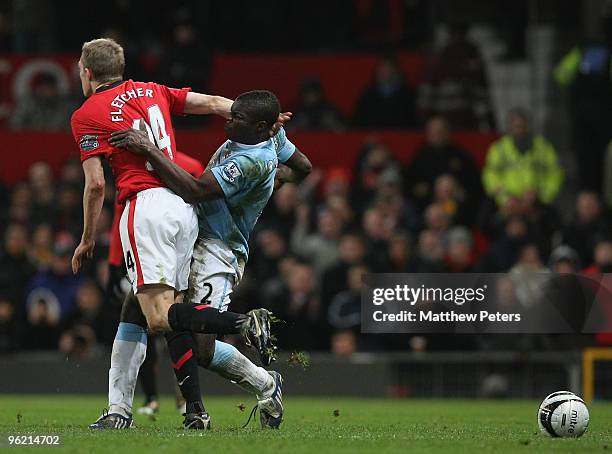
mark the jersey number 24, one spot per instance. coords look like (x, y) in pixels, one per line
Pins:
(156, 130)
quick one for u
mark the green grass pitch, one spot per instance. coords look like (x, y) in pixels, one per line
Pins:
(312, 425)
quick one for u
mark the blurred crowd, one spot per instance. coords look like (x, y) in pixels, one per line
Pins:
(440, 213)
(454, 85)
(314, 242)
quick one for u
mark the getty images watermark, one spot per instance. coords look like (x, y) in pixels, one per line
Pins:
(486, 303)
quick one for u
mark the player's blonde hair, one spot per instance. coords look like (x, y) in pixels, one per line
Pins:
(104, 57)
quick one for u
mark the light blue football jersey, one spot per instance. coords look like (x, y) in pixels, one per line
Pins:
(246, 176)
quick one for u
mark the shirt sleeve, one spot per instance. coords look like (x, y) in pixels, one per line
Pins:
(176, 98)
(283, 146)
(89, 140)
(232, 174)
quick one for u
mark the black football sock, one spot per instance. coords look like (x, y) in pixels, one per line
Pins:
(185, 366)
(204, 319)
(148, 371)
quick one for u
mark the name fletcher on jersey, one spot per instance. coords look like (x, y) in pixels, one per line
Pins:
(122, 98)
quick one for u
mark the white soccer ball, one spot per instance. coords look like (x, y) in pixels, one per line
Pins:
(563, 414)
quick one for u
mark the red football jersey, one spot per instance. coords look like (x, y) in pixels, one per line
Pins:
(128, 104)
(115, 252)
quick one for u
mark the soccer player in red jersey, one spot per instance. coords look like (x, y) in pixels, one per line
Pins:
(157, 228)
(116, 289)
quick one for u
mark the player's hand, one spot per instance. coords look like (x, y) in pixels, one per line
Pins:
(283, 175)
(283, 118)
(136, 141)
(83, 250)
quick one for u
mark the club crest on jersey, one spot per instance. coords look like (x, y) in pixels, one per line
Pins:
(230, 172)
(88, 142)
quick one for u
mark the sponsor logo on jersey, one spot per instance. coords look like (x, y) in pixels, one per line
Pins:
(88, 142)
(230, 172)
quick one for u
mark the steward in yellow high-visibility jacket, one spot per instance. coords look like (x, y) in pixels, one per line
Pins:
(518, 164)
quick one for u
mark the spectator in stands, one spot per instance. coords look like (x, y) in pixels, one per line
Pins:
(430, 255)
(374, 158)
(44, 109)
(280, 213)
(564, 260)
(185, 61)
(314, 110)
(297, 305)
(15, 266)
(388, 102)
(78, 341)
(72, 173)
(10, 329)
(90, 311)
(449, 195)
(529, 276)
(378, 229)
(351, 253)
(19, 205)
(439, 156)
(344, 342)
(503, 253)
(41, 251)
(585, 71)
(319, 248)
(455, 84)
(437, 219)
(521, 169)
(586, 226)
(56, 287)
(344, 312)
(43, 318)
(41, 182)
(390, 201)
(400, 258)
(271, 247)
(602, 256)
(68, 210)
(136, 63)
(341, 208)
(459, 250)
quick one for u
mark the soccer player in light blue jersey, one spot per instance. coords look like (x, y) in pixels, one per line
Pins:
(230, 196)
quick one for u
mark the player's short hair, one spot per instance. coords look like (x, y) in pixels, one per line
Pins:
(104, 57)
(262, 104)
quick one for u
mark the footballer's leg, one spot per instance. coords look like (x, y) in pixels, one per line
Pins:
(146, 245)
(128, 353)
(213, 274)
(155, 301)
(226, 361)
(147, 376)
(212, 285)
(185, 366)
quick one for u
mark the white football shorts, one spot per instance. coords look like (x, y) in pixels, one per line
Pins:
(158, 231)
(215, 271)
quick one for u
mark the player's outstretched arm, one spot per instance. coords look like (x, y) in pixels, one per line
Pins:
(181, 182)
(93, 198)
(200, 104)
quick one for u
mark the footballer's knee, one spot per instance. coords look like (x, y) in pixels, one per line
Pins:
(155, 303)
(158, 323)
